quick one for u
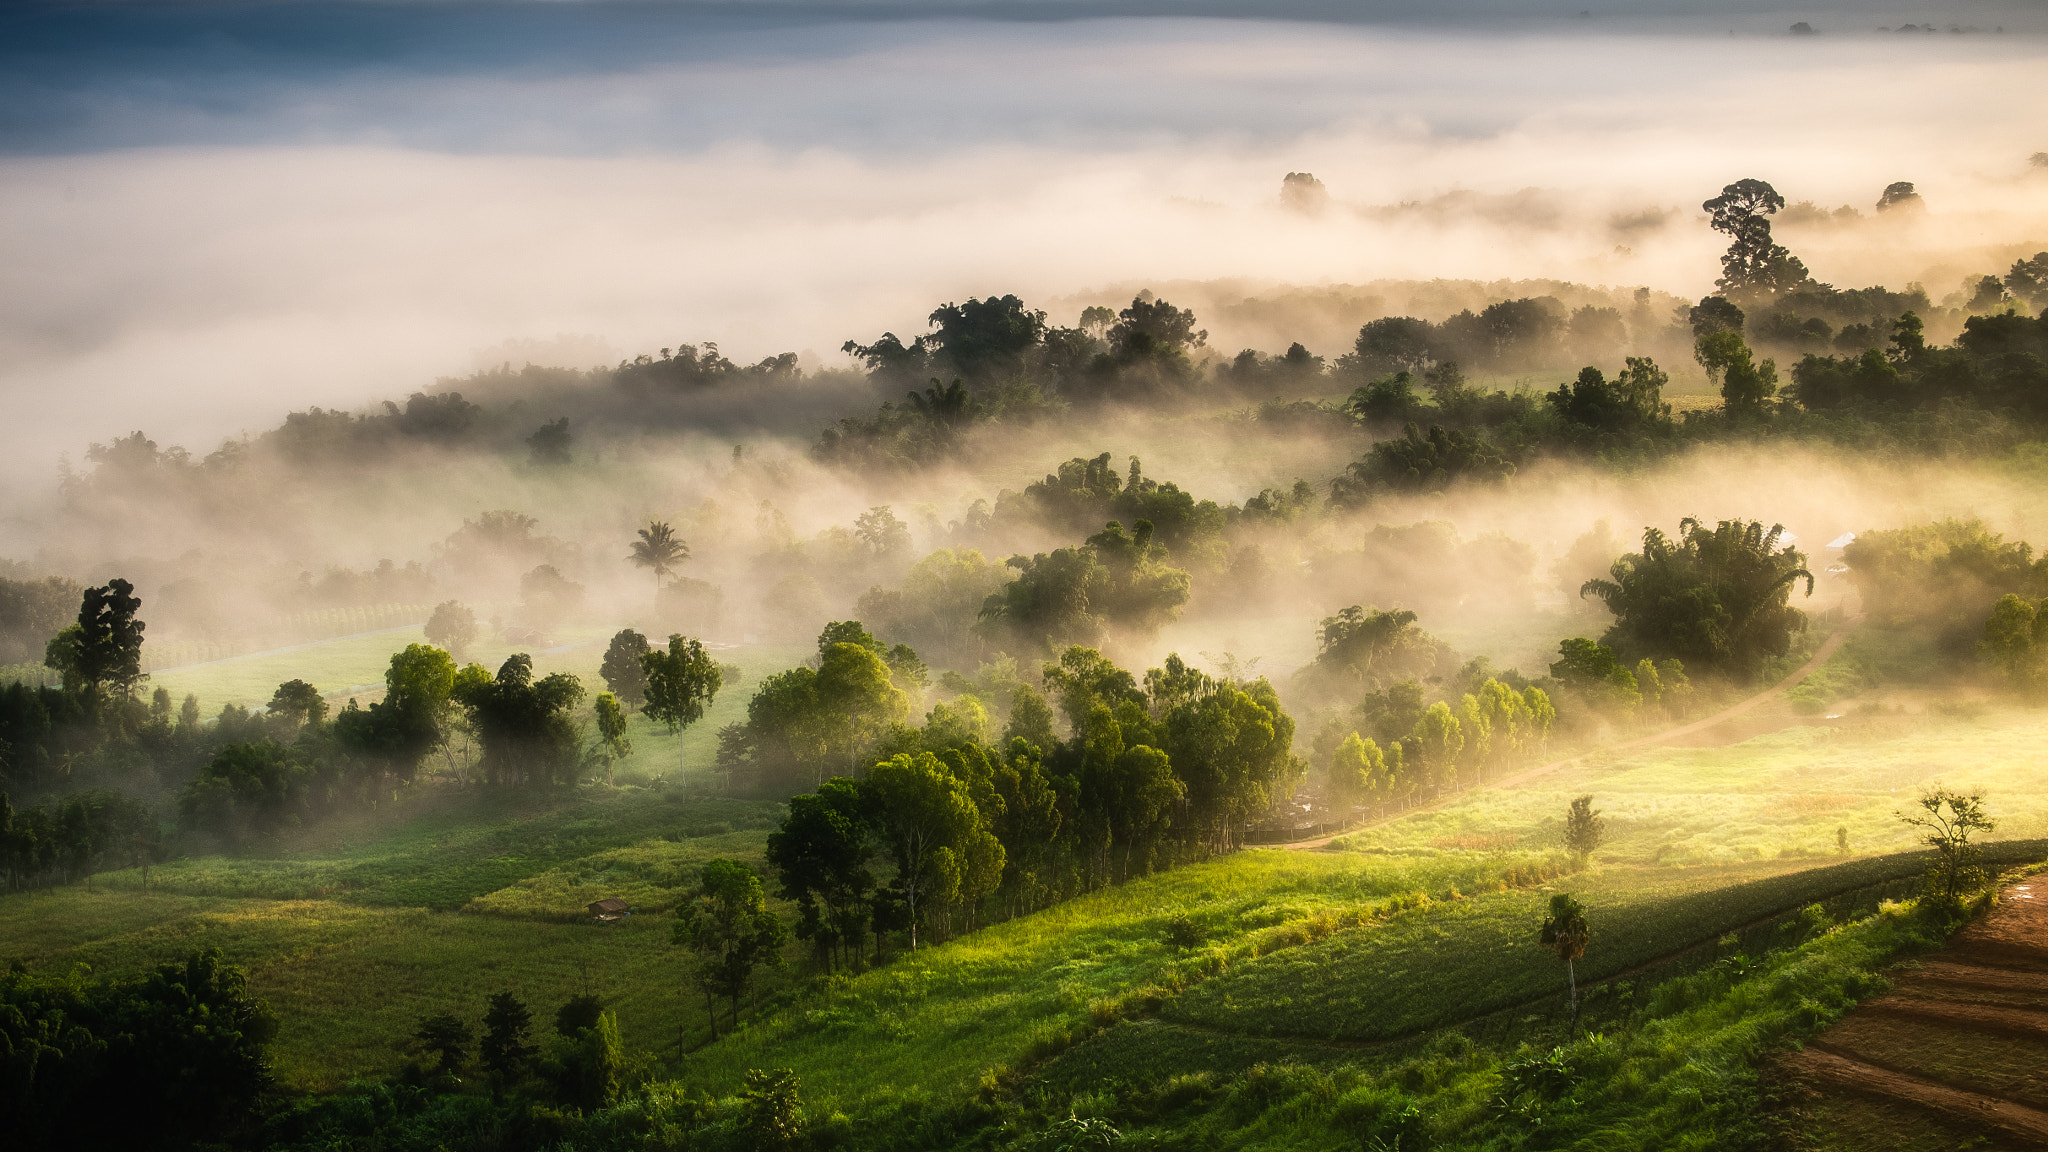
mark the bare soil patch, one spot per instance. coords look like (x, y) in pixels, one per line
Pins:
(1957, 1050)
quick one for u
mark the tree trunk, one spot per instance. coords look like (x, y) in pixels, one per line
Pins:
(1571, 976)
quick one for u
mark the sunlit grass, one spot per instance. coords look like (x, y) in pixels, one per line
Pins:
(1783, 794)
(938, 1019)
(458, 847)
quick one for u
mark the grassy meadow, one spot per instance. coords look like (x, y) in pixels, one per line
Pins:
(374, 922)
(1367, 950)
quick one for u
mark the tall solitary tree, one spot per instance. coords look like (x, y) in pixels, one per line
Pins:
(452, 626)
(611, 731)
(1583, 829)
(621, 669)
(101, 655)
(1755, 264)
(681, 682)
(1566, 934)
(504, 1048)
(660, 549)
(447, 1037)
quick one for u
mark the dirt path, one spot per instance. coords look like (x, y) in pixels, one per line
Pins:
(1842, 1073)
(1820, 656)
(1938, 1047)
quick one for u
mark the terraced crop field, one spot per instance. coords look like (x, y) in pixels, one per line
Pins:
(1954, 1055)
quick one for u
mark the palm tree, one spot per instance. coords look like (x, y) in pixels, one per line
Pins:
(659, 549)
(1566, 934)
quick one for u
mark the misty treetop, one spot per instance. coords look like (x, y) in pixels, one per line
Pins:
(1755, 265)
(1716, 597)
(1076, 595)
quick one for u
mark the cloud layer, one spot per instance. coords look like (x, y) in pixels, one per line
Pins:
(350, 230)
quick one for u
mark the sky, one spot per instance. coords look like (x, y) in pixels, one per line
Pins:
(214, 214)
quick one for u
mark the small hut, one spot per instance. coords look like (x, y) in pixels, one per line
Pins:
(609, 909)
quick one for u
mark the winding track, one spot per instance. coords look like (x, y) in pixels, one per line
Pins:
(1820, 656)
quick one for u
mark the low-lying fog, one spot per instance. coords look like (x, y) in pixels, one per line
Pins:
(213, 216)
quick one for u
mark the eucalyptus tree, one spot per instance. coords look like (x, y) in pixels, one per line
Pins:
(681, 682)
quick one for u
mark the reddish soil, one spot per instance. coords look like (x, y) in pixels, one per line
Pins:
(1955, 1055)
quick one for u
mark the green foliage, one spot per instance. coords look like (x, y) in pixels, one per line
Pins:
(1945, 576)
(1365, 647)
(1184, 933)
(1230, 745)
(169, 1059)
(680, 682)
(68, 840)
(2016, 639)
(935, 608)
(1393, 344)
(448, 1038)
(578, 1013)
(771, 1113)
(1074, 596)
(31, 612)
(1633, 402)
(1755, 266)
(932, 826)
(1946, 820)
(821, 855)
(726, 922)
(527, 726)
(585, 1067)
(409, 722)
(550, 443)
(1716, 598)
(296, 703)
(1823, 383)
(100, 657)
(660, 551)
(452, 626)
(611, 729)
(504, 1051)
(1746, 386)
(1591, 670)
(1584, 830)
(622, 670)
(245, 792)
(1420, 462)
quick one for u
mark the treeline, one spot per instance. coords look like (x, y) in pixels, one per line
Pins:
(171, 1059)
(976, 826)
(1965, 587)
(251, 777)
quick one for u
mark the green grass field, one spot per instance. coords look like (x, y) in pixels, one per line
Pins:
(377, 921)
(1782, 794)
(1314, 958)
